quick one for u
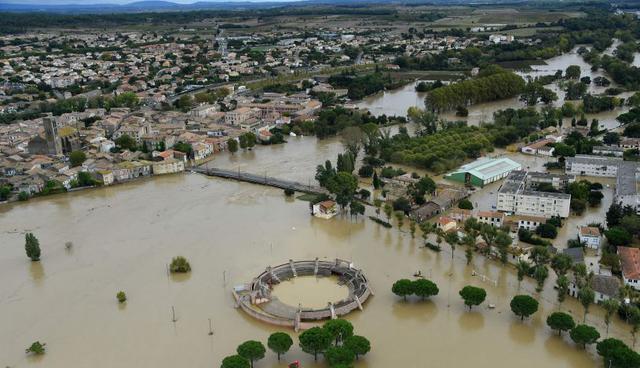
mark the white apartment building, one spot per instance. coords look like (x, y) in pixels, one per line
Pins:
(625, 172)
(515, 198)
(587, 165)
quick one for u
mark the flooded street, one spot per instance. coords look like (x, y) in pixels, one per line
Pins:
(124, 237)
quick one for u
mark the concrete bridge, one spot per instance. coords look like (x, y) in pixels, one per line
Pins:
(260, 179)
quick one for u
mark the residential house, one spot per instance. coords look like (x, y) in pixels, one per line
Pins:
(630, 260)
(605, 287)
(446, 224)
(168, 166)
(325, 209)
(491, 217)
(590, 236)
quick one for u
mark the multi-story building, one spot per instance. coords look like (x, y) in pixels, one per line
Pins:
(515, 197)
(608, 151)
(625, 172)
(587, 165)
(238, 116)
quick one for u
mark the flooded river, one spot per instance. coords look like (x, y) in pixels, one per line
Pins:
(124, 237)
(398, 101)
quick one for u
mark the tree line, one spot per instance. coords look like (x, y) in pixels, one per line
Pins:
(494, 87)
(335, 340)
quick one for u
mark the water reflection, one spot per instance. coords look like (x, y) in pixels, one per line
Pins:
(36, 270)
(180, 277)
(422, 310)
(522, 333)
(471, 321)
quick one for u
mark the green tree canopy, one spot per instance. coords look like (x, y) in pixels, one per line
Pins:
(339, 329)
(251, 350)
(472, 295)
(235, 361)
(232, 145)
(403, 288)
(617, 354)
(337, 355)
(32, 246)
(76, 158)
(584, 335)
(279, 343)
(358, 344)
(315, 340)
(425, 288)
(523, 306)
(560, 322)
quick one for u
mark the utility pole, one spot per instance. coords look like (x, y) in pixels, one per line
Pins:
(210, 328)
(173, 314)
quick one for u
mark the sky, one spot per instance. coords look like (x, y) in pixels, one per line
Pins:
(86, 2)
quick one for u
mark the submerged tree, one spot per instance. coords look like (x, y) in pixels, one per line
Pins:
(32, 247)
(279, 343)
(251, 350)
(523, 306)
(560, 321)
(472, 295)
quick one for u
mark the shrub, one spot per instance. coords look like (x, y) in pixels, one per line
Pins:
(179, 264)
(289, 192)
(36, 348)
(465, 204)
(23, 196)
(547, 231)
(121, 296)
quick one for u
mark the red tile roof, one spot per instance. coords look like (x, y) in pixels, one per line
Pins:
(630, 259)
(589, 231)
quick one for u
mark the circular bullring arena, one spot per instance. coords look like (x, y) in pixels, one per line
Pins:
(298, 294)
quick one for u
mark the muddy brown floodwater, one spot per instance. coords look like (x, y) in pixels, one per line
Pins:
(310, 291)
(398, 101)
(124, 236)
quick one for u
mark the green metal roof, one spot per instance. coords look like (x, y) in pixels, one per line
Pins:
(485, 167)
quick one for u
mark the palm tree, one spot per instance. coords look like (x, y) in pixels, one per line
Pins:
(562, 284)
(469, 242)
(610, 307)
(523, 270)
(452, 240)
(426, 229)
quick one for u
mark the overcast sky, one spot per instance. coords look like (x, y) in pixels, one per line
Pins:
(84, 2)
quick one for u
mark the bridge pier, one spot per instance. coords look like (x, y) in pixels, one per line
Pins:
(293, 268)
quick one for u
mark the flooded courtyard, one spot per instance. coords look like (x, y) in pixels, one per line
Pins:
(310, 291)
(124, 237)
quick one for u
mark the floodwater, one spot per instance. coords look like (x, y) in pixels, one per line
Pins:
(398, 101)
(124, 237)
(310, 291)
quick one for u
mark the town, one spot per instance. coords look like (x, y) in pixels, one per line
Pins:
(310, 161)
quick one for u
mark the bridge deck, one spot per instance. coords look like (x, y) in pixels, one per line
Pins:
(261, 180)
